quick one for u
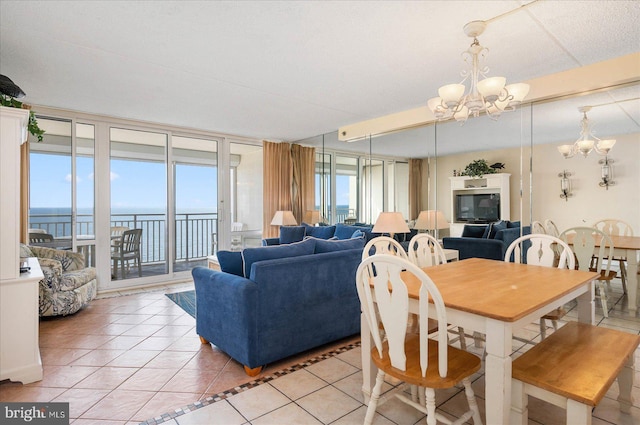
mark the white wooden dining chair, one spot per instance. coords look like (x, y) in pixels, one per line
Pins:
(615, 227)
(584, 248)
(551, 228)
(384, 245)
(425, 251)
(547, 251)
(538, 227)
(422, 362)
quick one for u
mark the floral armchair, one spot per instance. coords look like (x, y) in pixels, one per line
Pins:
(67, 285)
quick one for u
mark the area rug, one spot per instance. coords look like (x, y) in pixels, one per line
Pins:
(186, 300)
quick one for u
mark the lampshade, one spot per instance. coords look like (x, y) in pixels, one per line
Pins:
(284, 218)
(390, 222)
(312, 216)
(431, 220)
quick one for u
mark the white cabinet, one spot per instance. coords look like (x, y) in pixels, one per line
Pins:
(490, 188)
(19, 351)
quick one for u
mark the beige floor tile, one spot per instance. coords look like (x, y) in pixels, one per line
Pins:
(290, 414)
(316, 404)
(220, 413)
(107, 378)
(171, 359)
(98, 422)
(16, 392)
(61, 356)
(134, 358)
(191, 381)
(258, 401)
(357, 418)
(208, 358)
(163, 403)
(299, 383)
(80, 400)
(175, 330)
(143, 330)
(119, 405)
(97, 357)
(332, 369)
(155, 343)
(148, 379)
(122, 342)
(63, 376)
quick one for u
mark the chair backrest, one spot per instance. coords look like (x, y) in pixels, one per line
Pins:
(392, 307)
(118, 230)
(583, 245)
(40, 237)
(543, 250)
(551, 228)
(425, 251)
(236, 226)
(538, 227)
(615, 227)
(131, 240)
(36, 230)
(384, 245)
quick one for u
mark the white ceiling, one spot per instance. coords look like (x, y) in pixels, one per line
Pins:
(289, 70)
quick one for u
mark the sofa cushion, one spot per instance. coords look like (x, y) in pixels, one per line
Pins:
(230, 262)
(338, 245)
(290, 234)
(512, 224)
(473, 231)
(320, 232)
(251, 255)
(358, 234)
(25, 251)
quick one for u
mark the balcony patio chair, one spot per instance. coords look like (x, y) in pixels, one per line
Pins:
(116, 236)
(128, 250)
(420, 362)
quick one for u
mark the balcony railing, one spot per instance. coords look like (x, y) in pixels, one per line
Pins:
(194, 232)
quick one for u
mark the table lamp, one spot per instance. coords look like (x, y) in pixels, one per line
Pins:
(390, 222)
(312, 217)
(431, 220)
(284, 218)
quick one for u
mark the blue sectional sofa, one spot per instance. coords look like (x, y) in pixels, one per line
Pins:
(289, 234)
(272, 302)
(489, 241)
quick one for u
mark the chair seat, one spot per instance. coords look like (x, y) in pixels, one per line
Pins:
(461, 364)
(556, 314)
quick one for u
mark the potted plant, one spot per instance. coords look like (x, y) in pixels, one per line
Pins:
(477, 169)
(8, 93)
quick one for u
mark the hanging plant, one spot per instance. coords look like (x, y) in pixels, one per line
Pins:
(32, 126)
(478, 168)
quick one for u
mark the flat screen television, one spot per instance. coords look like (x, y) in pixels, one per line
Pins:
(478, 208)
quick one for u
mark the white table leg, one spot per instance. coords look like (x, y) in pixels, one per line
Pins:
(587, 306)
(369, 370)
(625, 384)
(632, 278)
(519, 404)
(498, 372)
(578, 413)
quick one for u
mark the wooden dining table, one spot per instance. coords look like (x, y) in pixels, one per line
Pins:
(495, 298)
(628, 247)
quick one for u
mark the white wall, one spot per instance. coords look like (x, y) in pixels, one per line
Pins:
(589, 203)
(250, 190)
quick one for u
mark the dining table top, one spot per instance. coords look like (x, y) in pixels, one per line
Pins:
(620, 242)
(496, 289)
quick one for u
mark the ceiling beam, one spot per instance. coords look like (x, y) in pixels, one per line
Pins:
(609, 73)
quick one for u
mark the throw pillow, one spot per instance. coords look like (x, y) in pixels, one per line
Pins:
(25, 251)
(358, 234)
(252, 255)
(512, 224)
(230, 262)
(290, 234)
(496, 227)
(473, 231)
(338, 245)
(345, 231)
(320, 232)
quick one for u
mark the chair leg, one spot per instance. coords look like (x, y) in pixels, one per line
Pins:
(623, 275)
(471, 399)
(373, 400)
(461, 336)
(603, 299)
(543, 329)
(139, 266)
(430, 395)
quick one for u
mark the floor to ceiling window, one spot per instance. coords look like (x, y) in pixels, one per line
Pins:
(138, 174)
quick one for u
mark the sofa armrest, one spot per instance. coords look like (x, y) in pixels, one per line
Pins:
(491, 249)
(270, 241)
(226, 311)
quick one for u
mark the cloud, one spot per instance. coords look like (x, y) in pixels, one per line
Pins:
(67, 178)
(114, 176)
(91, 176)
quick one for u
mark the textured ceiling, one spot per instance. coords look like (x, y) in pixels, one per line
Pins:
(289, 70)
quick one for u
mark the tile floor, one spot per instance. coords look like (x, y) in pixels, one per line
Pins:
(136, 358)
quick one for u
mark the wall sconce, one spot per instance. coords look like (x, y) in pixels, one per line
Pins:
(607, 172)
(565, 185)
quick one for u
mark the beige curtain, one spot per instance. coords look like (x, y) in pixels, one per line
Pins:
(277, 178)
(415, 187)
(24, 193)
(303, 185)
